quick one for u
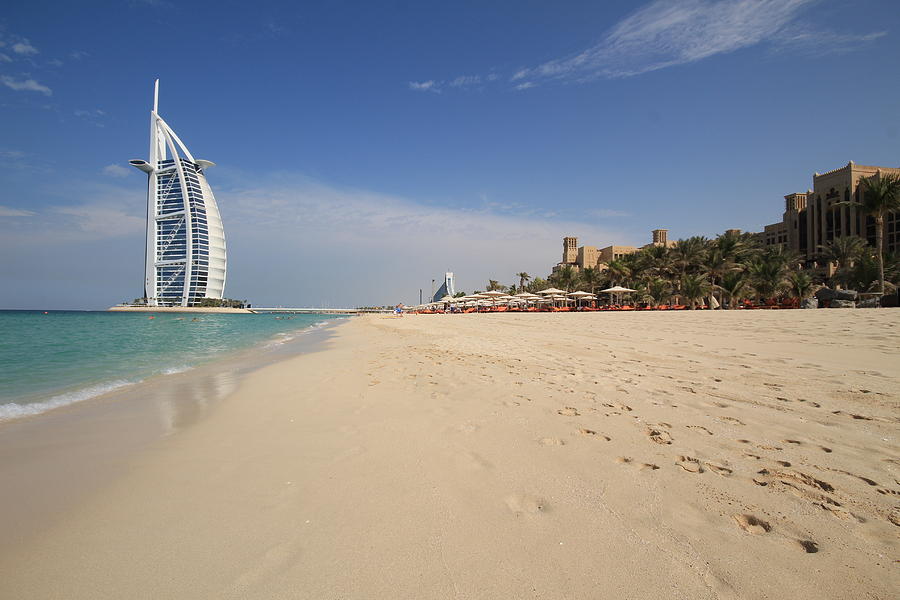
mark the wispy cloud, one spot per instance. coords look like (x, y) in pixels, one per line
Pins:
(424, 86)
(667, 33)
(820, 42)
(4, 58)
(465, 81)
(6, 211)
(117, 171)
(29, 85)
(94, 117)
(24, 48)
(78, 55)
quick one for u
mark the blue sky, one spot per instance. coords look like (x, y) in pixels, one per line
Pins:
(363, 148)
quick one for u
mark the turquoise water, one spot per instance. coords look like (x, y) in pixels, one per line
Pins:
(54, 359)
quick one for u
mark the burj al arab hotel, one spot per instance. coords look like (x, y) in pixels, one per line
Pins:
(185, 253)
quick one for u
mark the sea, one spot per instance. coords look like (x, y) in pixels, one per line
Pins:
(55, 358)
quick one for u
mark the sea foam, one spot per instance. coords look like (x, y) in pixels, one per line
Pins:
(14, 410)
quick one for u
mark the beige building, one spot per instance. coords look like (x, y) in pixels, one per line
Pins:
(813, 218)
(580, 257)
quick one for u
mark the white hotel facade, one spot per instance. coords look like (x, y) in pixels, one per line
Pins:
(185, 258)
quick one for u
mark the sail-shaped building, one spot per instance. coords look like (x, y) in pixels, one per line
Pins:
(185, 254)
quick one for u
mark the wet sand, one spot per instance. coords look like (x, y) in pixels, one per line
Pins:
(633, 455)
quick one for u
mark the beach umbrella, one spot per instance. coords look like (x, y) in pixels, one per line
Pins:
(579, 295)
(617, 290)
(552, 291)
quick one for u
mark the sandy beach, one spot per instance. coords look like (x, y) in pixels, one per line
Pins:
(695, 455)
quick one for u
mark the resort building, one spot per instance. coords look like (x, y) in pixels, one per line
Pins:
(815, 217)
(591, 256)
(185, 259)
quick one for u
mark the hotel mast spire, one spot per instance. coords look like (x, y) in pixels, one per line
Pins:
(185, 258)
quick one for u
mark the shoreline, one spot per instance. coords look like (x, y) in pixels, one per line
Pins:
(51, 460)
(216, 310)
(714, 455)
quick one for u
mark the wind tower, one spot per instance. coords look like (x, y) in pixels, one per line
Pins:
(184, 258)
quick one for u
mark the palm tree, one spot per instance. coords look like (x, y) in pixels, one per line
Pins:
(590, 277)
(766, 276)
(801, 284)
(717, 263)
(732, 284)
(881, 196)
(688, 254)
(537, 284)
(843, 251)
(523, 279)
(619, 272)
(694, 287)
(494, 285)
(565, 277)
(658, 290)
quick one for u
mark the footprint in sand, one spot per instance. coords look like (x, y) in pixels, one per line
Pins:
(689, 464)
(701, 428)
(658, 435)
(526, 505)
(718, 469)
(592, 433)
(751, 524)
(568, 411)
(731, 420)
(551, 442)
(627, 460)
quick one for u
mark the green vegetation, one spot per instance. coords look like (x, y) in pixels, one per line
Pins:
(222, 303)
(732, 267)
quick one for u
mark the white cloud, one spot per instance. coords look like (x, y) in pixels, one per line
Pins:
(55, 62)
(115, 170)
(526, 85)
(24, 48)
(387, 246)
(824, 42)
(102, 219)
(25, 85)
(465, 81)
(94, 117)
(6, 211)
(425, 86)
(5, 58)
(78, 55)
(666, 33)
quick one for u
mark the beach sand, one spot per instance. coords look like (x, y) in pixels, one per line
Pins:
(627, 455)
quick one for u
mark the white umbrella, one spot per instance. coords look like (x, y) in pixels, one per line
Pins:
(493, 294)
(579, 294)
(552, 291)
(617, 290)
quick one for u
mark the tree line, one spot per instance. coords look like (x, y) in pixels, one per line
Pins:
(735, 266)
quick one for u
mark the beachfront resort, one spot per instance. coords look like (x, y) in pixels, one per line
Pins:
(836, 246)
